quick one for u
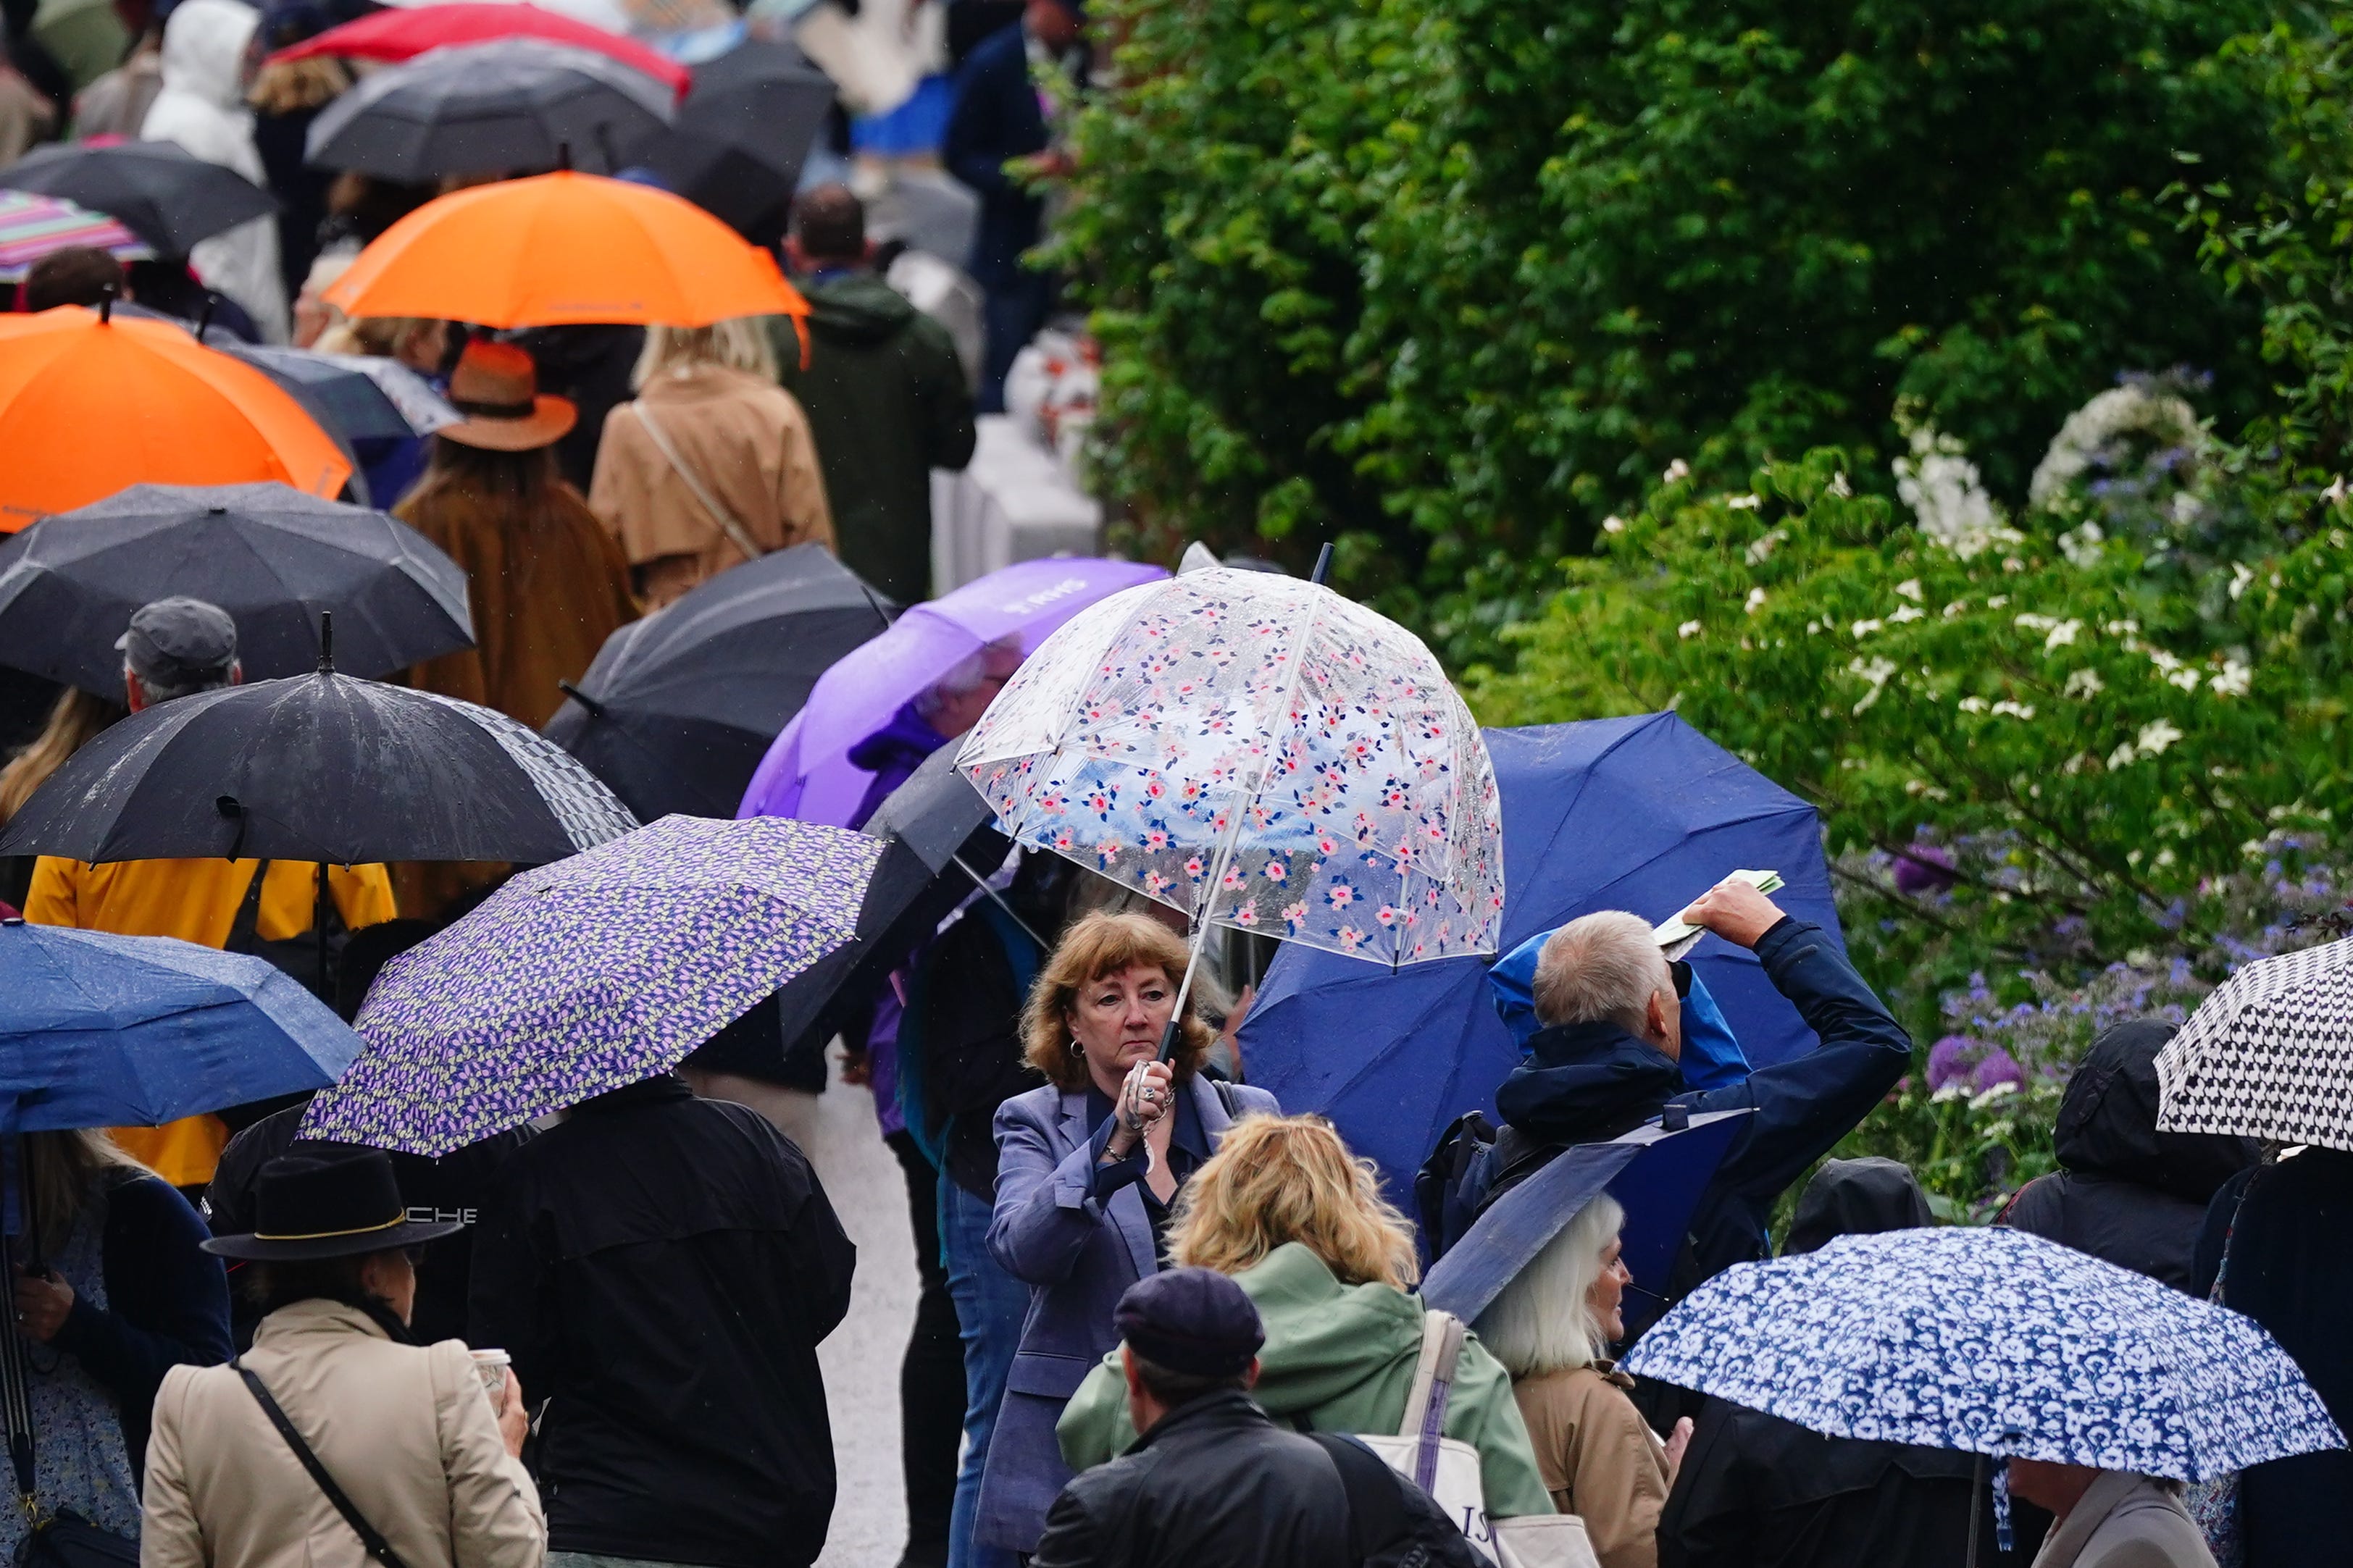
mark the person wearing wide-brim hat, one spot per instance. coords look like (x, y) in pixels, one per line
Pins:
(409, 1434)
(547, 583)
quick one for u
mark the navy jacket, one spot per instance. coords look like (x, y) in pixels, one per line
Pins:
(997, 117)
(1592, 1081)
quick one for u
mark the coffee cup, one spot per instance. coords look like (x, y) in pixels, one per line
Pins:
(492, 1366)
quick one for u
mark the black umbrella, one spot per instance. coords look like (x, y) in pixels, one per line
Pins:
(679, 708)
(271, 556)
(518, 103)
(356, 397)
(165, 194)
(738, 143)
(318, 767)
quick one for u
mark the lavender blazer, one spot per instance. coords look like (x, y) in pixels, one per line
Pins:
(1078, 1255)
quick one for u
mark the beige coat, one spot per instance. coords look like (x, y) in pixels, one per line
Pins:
(1598, 1459)
(405, 1431)
(749, 444)
(2125, 1521)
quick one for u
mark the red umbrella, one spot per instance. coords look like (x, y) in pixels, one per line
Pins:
(400, 33)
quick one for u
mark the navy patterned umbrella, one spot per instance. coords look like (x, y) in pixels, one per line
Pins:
(591, 973)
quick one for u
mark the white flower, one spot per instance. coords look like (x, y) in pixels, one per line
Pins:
(2185, 678)
(2121, 757)
(1906, 613)
(2156, 737)
(2085, 682)
(1839, 486)
(1613, 524)
(1956, 608)
(1678, 469)
(1876, 672)
(2015, 710)
(2232, 681)
(1744, 503)
(2095, 431)
(2061, 635)
(1950, 505)
(2120, 628)
(1688, 629)
(1996, 602)
(1755, 600)
(2162, 659)
(1973, 705)
(1910, 589)
(1864, 628)
(1762, 546)
(2081, 546)
(2241, 575)
(2335, 491)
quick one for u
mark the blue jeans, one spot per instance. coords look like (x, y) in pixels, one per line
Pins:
(990, 1304)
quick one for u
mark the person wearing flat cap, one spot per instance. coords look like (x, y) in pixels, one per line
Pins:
(1212, 1479)
(546, 582)
(409, 1435)
(175, 649)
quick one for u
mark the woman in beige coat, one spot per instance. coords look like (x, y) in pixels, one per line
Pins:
(408, 1432)
(712, 465)
(1552, 1328)
(2109, 1519)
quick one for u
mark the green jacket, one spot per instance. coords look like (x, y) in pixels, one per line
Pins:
(1341, 1356)
(888, 403)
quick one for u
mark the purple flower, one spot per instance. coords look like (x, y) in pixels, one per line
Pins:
(1994, 1067)
(1949, 1059)
(1924, 868)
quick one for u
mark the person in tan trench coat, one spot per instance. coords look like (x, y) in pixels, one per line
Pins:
(712, 464)
(1552, 1328)
(407, 1431)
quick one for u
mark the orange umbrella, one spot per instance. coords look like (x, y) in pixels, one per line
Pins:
(89, 405)
(561, 248)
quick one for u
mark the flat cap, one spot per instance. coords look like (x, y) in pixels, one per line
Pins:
(1193, 1321)
(178, 641)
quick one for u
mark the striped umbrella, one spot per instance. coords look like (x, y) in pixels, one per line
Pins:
(31, 226)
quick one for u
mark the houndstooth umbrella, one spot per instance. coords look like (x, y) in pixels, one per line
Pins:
(2268, 1054)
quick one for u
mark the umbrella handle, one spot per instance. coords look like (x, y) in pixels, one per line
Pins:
(1977, 1490)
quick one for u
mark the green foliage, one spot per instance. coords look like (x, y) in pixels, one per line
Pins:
(1450, 283)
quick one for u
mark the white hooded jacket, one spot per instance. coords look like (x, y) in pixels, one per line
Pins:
(202, 107)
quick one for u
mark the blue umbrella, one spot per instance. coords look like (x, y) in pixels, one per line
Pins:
(1642, 814)
(1997, 1342)
(131, 1031)
(1656, 1176)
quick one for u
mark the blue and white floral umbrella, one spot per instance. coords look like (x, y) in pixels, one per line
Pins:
(1992, 1341)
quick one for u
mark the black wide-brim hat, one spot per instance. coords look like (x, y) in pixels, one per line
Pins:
(317, 1205)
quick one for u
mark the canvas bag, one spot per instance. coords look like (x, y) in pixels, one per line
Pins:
(1448, 1468)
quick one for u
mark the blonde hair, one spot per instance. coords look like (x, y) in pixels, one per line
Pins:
(64, 1170)
(283, 87)
(738, 344)
(1092, 948)
(1280, 1179)
(1543, 1322)
(1600, 968)
(74, 719)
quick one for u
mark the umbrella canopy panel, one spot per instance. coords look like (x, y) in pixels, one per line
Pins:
(165, 194)
(33, 227)
(357, 396)
(403, 33)
(271, 556)
(740, 139)
(318, 767)
(517, 104)
(2269, 1054)
(679, 707)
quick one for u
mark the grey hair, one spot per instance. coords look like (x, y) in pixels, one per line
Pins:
(1603, 967)
(1542, 1323)
(157, 690)
(1002, 656)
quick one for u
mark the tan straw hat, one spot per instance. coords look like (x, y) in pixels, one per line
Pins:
(496, 387)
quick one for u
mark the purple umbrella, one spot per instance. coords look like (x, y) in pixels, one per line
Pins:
(807, 773)
(591, 974)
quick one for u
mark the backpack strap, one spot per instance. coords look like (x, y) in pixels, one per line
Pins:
(1433, 1386)
(243, 930)
(1376, 1505)
(377, 1546)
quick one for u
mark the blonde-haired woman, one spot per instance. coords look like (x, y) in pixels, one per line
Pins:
(75, 718)
(1552, 1326)
(1300, 1224)
(712, 466)
(1089, 1169)
(116, 1290)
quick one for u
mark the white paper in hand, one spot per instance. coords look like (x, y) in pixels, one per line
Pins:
(1676, 937)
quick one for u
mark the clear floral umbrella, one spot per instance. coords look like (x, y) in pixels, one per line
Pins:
(1260, 753)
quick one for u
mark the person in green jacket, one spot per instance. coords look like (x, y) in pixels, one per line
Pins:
(1301, 1226)
(887, 398)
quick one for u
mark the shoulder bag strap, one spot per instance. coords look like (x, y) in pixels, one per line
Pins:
(1433, 1384)
(1376, 1511)
(244, 928)
(737, 534)
(378, 1547)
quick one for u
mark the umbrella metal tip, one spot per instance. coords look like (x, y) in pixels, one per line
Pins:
(13, 920)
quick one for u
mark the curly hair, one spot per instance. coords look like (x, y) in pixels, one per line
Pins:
(1278, 1178)
(1094, 947)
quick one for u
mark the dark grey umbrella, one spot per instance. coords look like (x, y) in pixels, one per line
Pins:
(271, 556)
(357, 396)
(516, 104)
(319, 767)
(737, 146)
(164, 194)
